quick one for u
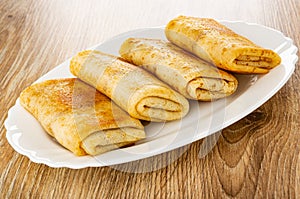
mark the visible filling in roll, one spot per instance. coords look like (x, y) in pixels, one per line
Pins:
(210, 88)
(105, 140)
(255, 61)
(157, 107)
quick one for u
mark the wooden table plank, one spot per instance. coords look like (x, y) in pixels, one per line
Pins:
(256, 157)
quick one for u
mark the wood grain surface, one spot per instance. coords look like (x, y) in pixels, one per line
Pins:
(257, 157)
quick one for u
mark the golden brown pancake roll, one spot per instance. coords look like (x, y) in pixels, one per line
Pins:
(135, 90)
(189, 75)
(217, 44)
(79, 117)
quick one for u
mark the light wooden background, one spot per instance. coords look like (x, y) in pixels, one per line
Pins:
(255, 157)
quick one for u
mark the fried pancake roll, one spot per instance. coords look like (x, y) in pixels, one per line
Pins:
(79, 117)
(189, 75)
(135, 90)
(217, 44)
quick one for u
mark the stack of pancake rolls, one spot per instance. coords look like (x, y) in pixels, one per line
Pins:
(152, 80)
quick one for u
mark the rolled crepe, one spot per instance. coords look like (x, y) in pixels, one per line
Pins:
(217, 44)
(190, 76)
(136, 91)
(79, 117)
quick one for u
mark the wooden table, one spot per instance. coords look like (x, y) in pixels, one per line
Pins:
(255, 157)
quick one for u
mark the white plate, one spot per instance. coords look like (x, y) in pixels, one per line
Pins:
(27, 137)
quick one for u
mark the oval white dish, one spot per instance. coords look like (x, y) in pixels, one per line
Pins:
(27, 137)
